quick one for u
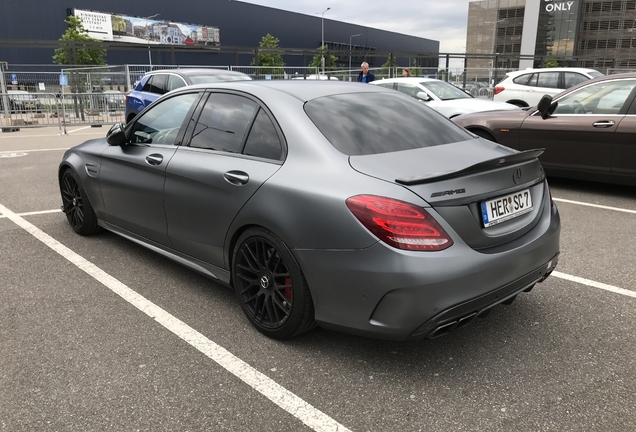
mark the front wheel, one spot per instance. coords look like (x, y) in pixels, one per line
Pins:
(79, 212)
(270, 285)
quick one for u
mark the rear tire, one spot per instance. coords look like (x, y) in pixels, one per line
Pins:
(79, 212)
(270, 285)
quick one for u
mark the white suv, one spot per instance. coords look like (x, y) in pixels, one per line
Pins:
(526, 87)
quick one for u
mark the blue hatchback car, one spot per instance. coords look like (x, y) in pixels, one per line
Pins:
(156, 83)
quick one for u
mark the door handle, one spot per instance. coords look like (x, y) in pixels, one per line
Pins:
(237, 178)
(603, 124)
(154, 159)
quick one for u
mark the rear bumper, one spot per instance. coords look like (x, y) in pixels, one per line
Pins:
(460, 315)
(385, 293)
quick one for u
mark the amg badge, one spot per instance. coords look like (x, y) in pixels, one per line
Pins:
(448, 192)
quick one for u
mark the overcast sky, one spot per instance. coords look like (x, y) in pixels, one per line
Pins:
(441, 20)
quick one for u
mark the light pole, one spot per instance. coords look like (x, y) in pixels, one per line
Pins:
(148, 33)
(322, 44)
(351, 37)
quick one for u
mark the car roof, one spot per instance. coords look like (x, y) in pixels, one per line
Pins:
(557, 69)
(17, 92)
(405, 79)
(196, 71)
(304, 90)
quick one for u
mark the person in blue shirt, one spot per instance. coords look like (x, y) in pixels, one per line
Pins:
(365, 76)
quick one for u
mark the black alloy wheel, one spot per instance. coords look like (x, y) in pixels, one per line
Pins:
(270, 285)
(79, 212)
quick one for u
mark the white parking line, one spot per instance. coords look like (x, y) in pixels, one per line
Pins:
(565, 276)
(35, 150)
(79, 129)
(97, 132)
(594, 284)
(594, 205)
(34, 213)
(309, 415)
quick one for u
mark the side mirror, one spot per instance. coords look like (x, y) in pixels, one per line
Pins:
(424, 96)
(546, 107)
(116, 135)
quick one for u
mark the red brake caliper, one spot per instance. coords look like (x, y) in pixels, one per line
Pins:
(288, 289)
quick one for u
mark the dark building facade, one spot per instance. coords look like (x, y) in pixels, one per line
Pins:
(598, 34)
(239, 25)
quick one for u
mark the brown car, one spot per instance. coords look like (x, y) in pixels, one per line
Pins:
(588, 131)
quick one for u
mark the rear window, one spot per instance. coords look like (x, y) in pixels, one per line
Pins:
(522, 79)
(373, 123)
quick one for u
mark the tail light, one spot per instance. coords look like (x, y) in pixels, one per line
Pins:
(126, 99)
(499, 89)
(399, 224)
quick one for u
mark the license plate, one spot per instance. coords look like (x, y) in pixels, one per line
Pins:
(506, 207)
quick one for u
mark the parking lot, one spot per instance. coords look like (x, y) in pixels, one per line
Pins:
(98, 333)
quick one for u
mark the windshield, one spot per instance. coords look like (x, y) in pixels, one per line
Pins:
(373, 123)
(444, 90)
(595, 74)
(206, 79)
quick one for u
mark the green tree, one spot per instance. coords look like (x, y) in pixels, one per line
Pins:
(551, 63)
(416, 71)
(270, 57)
(388, 68)
(330, 59)
(78, 56)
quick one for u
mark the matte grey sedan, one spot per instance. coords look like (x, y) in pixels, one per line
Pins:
(352, 207)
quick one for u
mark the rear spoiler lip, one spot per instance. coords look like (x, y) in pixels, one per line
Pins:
(498, 162)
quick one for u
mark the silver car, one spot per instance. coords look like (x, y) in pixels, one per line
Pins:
(352, 207)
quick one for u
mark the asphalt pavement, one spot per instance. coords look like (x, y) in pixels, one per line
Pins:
(98, 333)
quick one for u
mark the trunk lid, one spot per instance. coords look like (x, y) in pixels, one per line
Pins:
(455, 179)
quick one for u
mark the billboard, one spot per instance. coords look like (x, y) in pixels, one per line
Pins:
(124, 28)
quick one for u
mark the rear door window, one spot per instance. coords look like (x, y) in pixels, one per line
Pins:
(263, 140)
(573, 78)
(148, 86)
(223, 123)
(548, 79)
(522, 80)
(158, 85)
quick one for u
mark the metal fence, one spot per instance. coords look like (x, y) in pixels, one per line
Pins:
(32, 96)
(18, 108)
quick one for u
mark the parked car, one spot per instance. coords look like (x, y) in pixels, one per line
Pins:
(525, 88)
(21, 101)
(587, 131)
(113, 100)
(389, 222)
(443, 97)
(156, 83)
